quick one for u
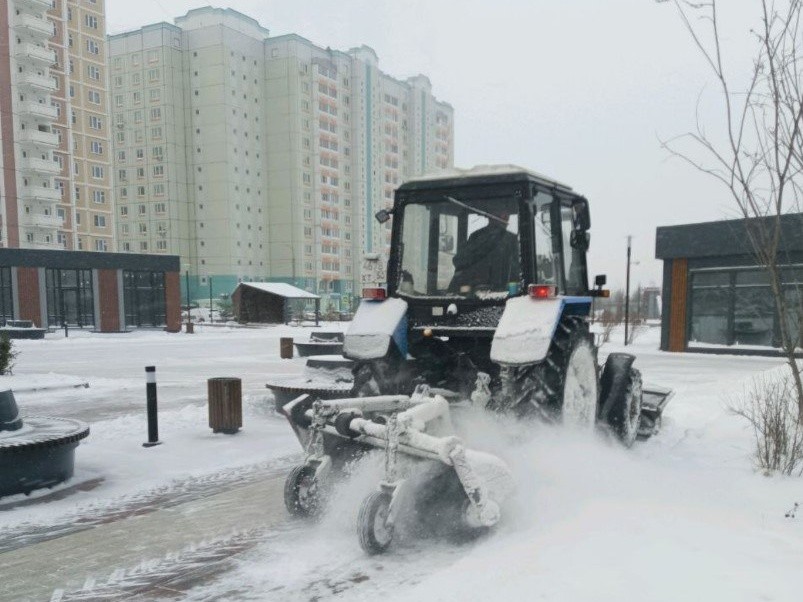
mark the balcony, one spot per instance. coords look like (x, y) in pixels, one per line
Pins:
(38, 110)
(41, 194)
(40, 220)
(41, 166)
(37, 138)
(33, 26)
(43, 83)
(40, 244)
(36, 54)
(41, 5)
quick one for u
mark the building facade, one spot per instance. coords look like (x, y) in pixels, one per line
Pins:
(54, 134)
(107, 292)
(273, 153)
(716, 297)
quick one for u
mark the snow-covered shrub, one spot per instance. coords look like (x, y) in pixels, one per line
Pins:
(7, 354)
(769, 404)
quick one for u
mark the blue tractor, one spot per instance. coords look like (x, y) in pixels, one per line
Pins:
(484, 301)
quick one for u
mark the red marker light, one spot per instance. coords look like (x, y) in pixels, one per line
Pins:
(376, 294)
(542, 291)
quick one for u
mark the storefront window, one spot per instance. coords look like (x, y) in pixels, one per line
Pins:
(737, 307)
(144, 298)
(6, 304)
(711, 302)
(754, 309)
(69, 298)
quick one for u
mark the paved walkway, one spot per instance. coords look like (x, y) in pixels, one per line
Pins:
(96, 558)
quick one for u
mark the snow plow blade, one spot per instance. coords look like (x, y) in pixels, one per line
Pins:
(654, 400)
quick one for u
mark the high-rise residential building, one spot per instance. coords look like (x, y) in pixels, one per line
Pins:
(259, 158)
(56, 183)
(342, 136)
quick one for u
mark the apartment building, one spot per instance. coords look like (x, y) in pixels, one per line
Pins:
(342, 136)
(273, 153)
(56, 184)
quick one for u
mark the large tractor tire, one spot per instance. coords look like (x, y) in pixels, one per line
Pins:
(565, 386)
(621, 397)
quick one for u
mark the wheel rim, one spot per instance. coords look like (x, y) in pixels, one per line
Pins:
(383, 532)
(580, 389)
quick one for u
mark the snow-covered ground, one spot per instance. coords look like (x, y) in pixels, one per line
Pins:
(681, 516)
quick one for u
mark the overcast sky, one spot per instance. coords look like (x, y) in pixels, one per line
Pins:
(580, 90)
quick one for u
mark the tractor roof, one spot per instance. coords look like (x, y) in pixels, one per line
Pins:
(480, 174)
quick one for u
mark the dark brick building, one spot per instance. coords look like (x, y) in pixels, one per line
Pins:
(715, 295)
(108, 292)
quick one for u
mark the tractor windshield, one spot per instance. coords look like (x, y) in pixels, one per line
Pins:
(461, 248)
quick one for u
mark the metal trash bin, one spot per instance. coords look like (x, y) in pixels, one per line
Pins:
(225, 404)
(286, 348)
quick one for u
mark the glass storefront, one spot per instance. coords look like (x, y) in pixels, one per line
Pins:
(6, 303)
(736, 307)
(69, 298)
(144, 298)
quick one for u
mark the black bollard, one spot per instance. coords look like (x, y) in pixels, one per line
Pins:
(153, 420)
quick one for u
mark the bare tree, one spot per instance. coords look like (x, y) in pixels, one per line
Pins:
(760, 159)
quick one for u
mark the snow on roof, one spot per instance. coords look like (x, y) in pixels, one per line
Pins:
(482, 170)
(282, 289)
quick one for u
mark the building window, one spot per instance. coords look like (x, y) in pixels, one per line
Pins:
(99, 196)
(91, 21)
(101, 245)
(93, 96)
(100, 221)
(144, 297)
(92, 46)
(736, 307)
(6, 303)
(97, 172)
(124, 211)
(96, 148)
(69, 296)
(93, 71)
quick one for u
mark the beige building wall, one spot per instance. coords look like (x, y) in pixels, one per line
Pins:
(154, 211)
(59, 126)
(287, 150)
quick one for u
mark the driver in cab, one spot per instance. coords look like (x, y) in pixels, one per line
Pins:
(489, 259)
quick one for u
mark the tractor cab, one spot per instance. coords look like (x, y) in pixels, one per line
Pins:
(479, 236)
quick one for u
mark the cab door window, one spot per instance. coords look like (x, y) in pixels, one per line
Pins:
(546, 267)
(572, 258)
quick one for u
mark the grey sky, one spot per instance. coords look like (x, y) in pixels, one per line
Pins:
(580, 90)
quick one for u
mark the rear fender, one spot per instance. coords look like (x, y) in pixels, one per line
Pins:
(374, 326)
(528, 326)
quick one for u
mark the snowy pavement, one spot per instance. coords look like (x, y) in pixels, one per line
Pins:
(681, 516)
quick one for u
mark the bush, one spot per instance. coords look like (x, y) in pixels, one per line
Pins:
(7, 354)
(770, 407)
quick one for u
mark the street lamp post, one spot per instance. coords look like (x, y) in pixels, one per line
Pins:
(627, 288)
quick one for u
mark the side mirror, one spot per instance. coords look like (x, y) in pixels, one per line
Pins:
(600, 280)
(580, 240)
(582, 216)
(382, 216)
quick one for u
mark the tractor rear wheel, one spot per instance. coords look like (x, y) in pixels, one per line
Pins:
(565, 385)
